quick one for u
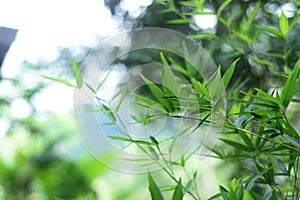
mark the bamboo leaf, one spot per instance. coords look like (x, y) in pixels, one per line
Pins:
(168, 78)
(59, 81)
(263, 62)
(242, 37)
(204, 36)
(130, 140)
(284, 24)
(236, 145)
(223, 6)
(270, 30)
(159, 94)
(178, 21)
(154, 189)
(90, 87)
(77, 74)
(178, 193)
(251, 18)
(103, 81)
(153, 140)
(229, 72)
(291, 86)
(200, 88)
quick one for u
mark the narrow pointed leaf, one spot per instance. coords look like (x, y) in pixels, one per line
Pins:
(77, 74)
(270, 30)
(291, 86)
(223, 6)
(130, 140)
(178, 193)
(252, 16)
(168, 78)
(159, 94)
(237, 145)
(284, 24)
(229, 72)
(154, 189)
(59, 81)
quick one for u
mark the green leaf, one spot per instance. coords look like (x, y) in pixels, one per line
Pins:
(284, 24)
(291, 86)
(292, 140)
(281, 166)
(246, 139)
(236, 145)
(223, 6)
(77, 74)
(247, 195)
(154, 189)
(124, 89)
(178, 21)
(204, 36)
(90, 87)
(153, 153)
(129, 140)
(251, 18)
(151, 104)
(229, 72)
(200, 88)
(263, 62)
(59, 81)
(159, 94)
(110, 114)
(216, 196)
(153, 140)
(242, 37)
(168, 78)
(270, 30)
(295, 21)
(105, 78)
(178, 193)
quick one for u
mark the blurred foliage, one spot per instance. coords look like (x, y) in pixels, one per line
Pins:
(33, 165)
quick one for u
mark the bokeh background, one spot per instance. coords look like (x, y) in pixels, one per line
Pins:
(41, 156)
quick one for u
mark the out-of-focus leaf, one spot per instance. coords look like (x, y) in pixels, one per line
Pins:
(270, 30)
(229, 72)
(168, 78)
(216, 196)
(178, 193)
(59, 81)
(90, 88)
(154, 189)
(179, 21)
(223, 6)
(247, 195)
(236, 145)
(291, 86)
(109, 112)
(284, 24)
(281, 166)
(292, 140)
(103, 81)
(153, 153)
(242, 37)
(204, 36)
(153, 140)
(252, 16)
(77, 74)
(124, 89)
(263, 61)
(130, 140)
